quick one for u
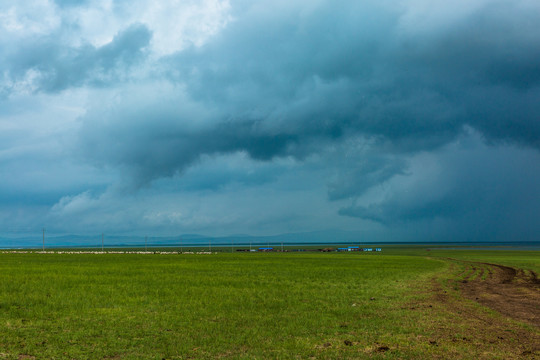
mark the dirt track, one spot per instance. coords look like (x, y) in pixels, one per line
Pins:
(512, 292)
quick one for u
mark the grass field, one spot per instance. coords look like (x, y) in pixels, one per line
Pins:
(249, 306)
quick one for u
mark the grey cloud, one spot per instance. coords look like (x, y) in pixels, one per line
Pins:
(301, 83)
(363, 174)
(214, 177)
(507, 115)
(392, 212)
(392, 85)
(149, 155)
(43, 176)
(279, 83)
(490, 192)
(494, 46)
(58, 66)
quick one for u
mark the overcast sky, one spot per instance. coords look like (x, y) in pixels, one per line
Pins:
(401, 120)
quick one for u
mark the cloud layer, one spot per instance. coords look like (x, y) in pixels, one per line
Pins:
(395, 119)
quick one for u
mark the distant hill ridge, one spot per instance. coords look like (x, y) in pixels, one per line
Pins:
(316, 237)
(29, 241)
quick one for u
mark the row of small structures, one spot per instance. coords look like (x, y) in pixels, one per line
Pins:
(357, 248)
(341, 249)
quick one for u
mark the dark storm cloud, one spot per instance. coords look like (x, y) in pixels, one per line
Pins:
(486, 193)
(355, 72)
(349, 97)
(153, 153)
(281, 82)
(57, 66)
(363, 174)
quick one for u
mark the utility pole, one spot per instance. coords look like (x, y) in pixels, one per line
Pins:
(281, 247)
(102, 241)
(210, 245)
(181, 248)
(145, 241)
(43, 239)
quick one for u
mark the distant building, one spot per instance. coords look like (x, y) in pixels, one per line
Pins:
(266, 249)
(378, 249)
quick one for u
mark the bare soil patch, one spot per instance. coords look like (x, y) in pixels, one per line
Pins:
(514, 293)
(479, 333)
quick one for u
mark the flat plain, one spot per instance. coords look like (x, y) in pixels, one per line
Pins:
(404, 303)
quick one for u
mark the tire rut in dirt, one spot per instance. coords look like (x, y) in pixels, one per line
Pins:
(512, 292)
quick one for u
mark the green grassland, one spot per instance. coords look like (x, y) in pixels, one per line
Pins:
(239, 306)
(529, 260)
